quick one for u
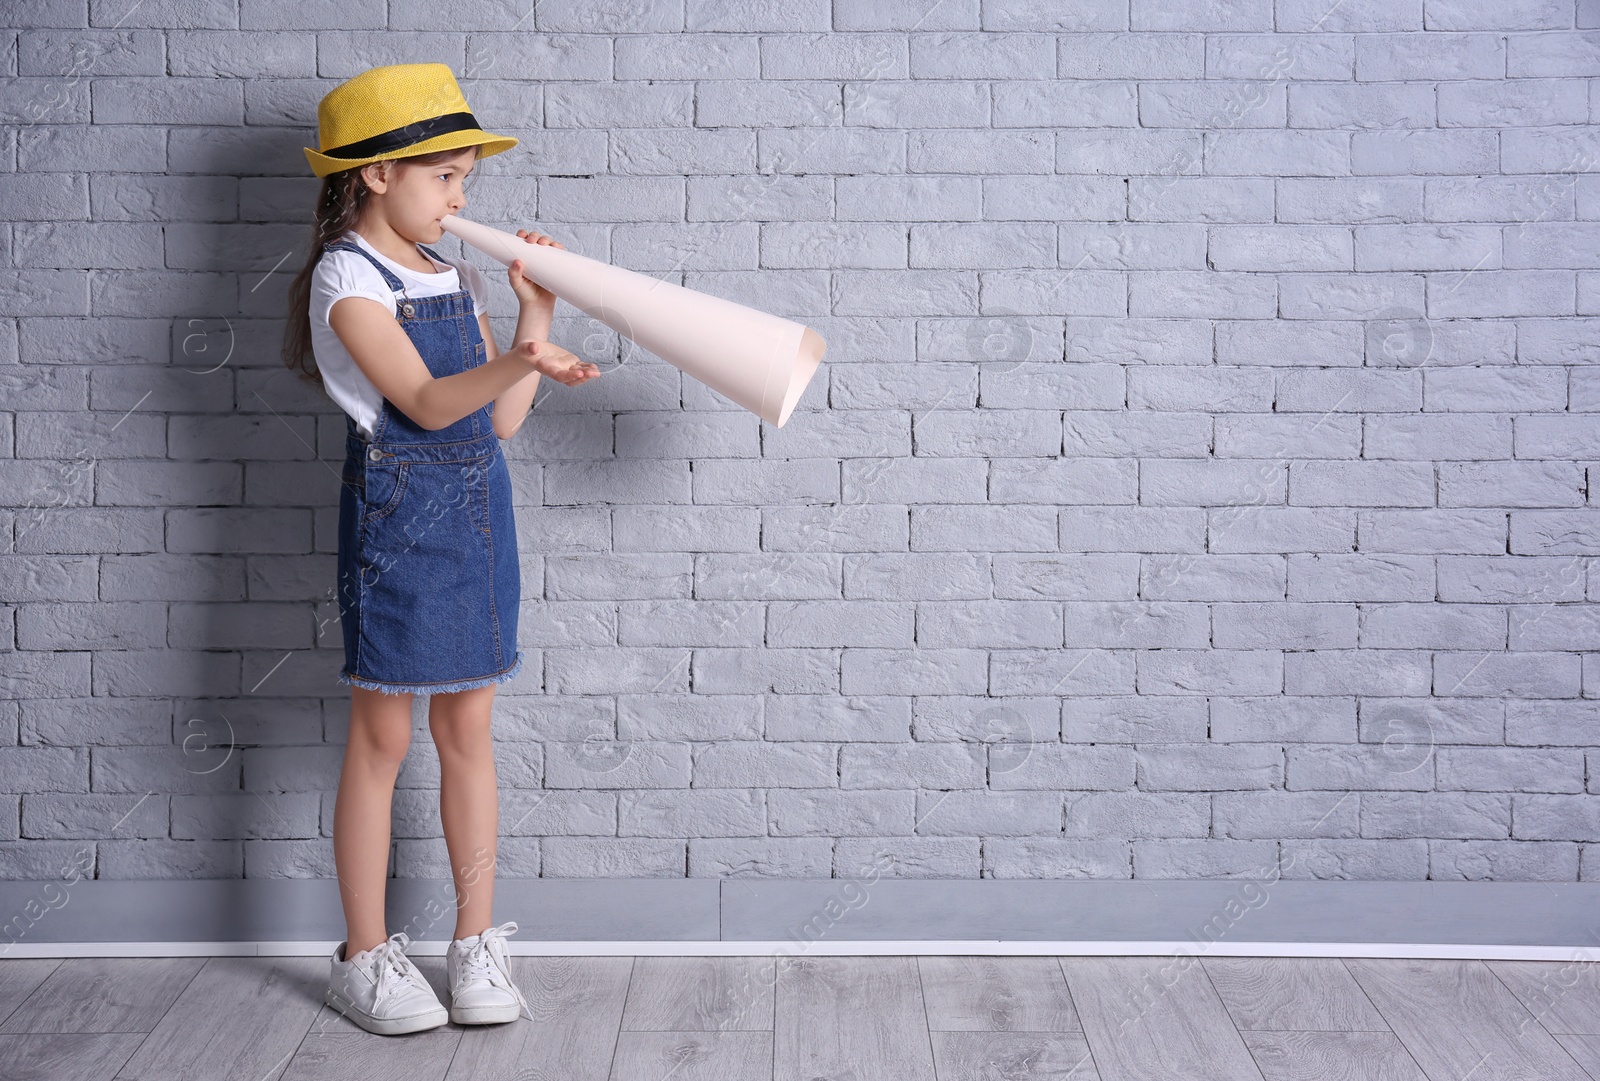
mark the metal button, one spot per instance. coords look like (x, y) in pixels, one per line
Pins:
(374, 454)
(409, 310)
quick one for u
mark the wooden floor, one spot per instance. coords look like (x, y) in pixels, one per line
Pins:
(896, 1018)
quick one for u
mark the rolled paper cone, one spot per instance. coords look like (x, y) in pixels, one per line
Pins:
(760, 361)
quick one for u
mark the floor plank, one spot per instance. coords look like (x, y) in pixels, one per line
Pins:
(1156, 1019)
(693, 1056)
(996, 994)
(1564, 996)
(66, 1056)
(700, 994)
(104, 994)
(850, 1018)
(19, 978)
(1299, 994)
(1458, 1020)
(1332, 1056)
(1585, 1050)
(334, 1054)
(1014, 1056)
(576, 1005)
(238, 1017)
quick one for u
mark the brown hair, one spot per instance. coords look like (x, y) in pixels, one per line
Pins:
(340, 204)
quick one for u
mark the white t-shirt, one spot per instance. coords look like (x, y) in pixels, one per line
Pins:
(346, 274)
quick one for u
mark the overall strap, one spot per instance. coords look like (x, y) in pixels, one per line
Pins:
(393, 282)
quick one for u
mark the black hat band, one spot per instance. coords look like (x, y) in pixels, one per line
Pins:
(409, 135)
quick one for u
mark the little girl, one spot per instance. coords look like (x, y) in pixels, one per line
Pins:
(428, 580)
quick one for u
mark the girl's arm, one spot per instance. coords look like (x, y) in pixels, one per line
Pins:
(536, 308)
(385, 354)
(512, 405)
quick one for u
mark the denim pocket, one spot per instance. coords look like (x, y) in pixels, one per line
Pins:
(385, 485)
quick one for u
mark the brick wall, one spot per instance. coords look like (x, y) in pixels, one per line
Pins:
(1201, 480)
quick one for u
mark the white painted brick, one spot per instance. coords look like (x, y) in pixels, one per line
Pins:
(1098, 151)
(1284, 814)
(1389, 153)
(685, 56)
(793, 104)
(1361, 105)
(1536, 55)
(983, 56)
(1204, 859)
(1509, 15)
(1280, 247)
(1280, 56)
(1359, 16)
(1358, 860)
(719, 858)
(1088, 15)
(1052, 198)
(1065, 103)
(1131, 56)
(1280, 719)
(885, 386)
(1501, 861)
(1476, 198)
(831, 150)
(1212, 104)
(1289, 626)
(1288, 343)
(682, 151)
(889, 103)
(1216, 578)
(1464, 815)
(825, 245)
(980, 245)
(834, 56)
(1196, 199)
(1359, 671)
(604, 16)
(908, 857)
(1131, 247)
(756, 15)
(1539, 532)
(1190, 293)
(1513, 103)
(910, 15)
(1202, 15)
(981, 152)
(1027, 857)
(1510, 769)
(1393, 57)
(1477, 390)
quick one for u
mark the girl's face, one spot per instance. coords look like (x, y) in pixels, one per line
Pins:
(411, 198)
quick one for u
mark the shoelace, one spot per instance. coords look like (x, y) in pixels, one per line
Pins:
(480, 960)
(395, 969)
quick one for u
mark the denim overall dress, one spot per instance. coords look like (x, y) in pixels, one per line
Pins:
(428, 577)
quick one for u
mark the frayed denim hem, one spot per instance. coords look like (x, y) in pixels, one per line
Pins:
(433, 688)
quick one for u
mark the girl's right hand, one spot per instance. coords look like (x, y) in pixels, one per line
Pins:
(546, 358)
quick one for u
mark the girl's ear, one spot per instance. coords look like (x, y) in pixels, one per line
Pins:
(376, 175)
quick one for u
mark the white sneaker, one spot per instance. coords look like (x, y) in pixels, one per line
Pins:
(481, 989)
(382, 990)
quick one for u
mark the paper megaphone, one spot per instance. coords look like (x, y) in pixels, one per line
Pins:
(760, 361)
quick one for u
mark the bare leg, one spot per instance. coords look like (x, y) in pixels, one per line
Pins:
(380, 735)
(469, 802)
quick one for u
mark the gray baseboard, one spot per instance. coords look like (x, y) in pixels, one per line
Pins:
(831, 915)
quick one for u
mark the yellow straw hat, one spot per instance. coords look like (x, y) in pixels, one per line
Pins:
(393, 112)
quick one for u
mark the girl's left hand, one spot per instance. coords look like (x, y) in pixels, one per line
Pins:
(529, 292)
